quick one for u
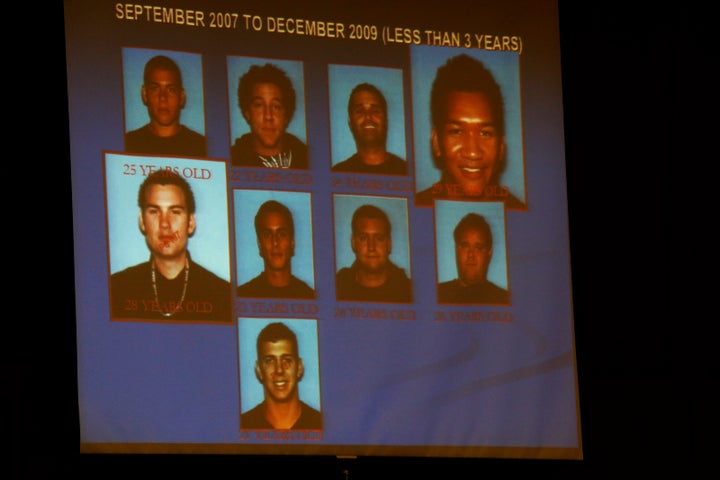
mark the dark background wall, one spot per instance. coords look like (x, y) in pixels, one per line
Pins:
(632, 130)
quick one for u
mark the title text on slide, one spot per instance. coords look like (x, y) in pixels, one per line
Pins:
(388, 35)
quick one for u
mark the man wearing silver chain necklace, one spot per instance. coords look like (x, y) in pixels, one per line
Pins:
(266, 98)
(170, 285)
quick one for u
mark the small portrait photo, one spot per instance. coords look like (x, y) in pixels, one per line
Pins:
(168, 238)
(468, 131)
(471, 253)
(372, 249)
(274, 244)
(163, 102)
(266, 102)
(279, 368)
(367, 119)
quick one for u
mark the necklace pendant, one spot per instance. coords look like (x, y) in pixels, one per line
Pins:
(175, 306)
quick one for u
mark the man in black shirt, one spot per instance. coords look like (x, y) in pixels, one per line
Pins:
(170, 285)
(473, 252)
(372, 277)
(279, 368)
(266, 98)
(368, 122)
(275, 232)
(164, 96)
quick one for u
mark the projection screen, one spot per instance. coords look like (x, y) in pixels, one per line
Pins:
(385, 182)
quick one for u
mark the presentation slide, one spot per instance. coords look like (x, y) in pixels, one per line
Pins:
(306, 230)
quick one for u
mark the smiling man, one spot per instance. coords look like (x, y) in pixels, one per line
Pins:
(170, 285)
(467, 135)
(368, 122)
(275, 231)
(473, 253)
(279, 369)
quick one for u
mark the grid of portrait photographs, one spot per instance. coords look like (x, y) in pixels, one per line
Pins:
(470, 151)
(317, 235)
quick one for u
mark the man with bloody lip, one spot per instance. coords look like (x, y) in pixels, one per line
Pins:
(368, 122)
(468, 135)
(279, 368)
(170, 285)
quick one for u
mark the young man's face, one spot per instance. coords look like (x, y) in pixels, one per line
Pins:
(467, 142)
(267, 117)
(275, 242)
(164, 97)
(472, 256)
(367, 119)
(372, 244)
(165, 221)
(279, 369)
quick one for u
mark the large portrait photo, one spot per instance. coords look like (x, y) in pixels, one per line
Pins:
(467, 118)
(168, 239)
